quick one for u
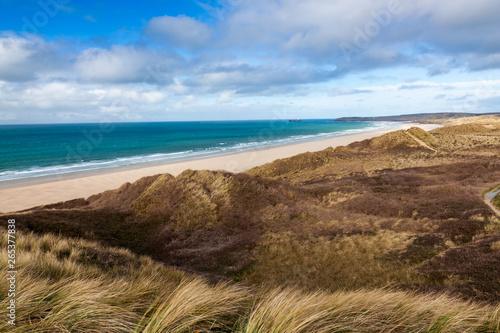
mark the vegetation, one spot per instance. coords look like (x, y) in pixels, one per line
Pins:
(68, 285)
(78, 286)
(496, 200)
(387, 234)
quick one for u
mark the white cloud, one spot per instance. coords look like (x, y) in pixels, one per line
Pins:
(120, 64)
(178, 87)
(462, 12)
(34, 102)
(180, 31)
(316, 27)
(257, 51)
(24, 58)
(349, 91)
(381, 32)
(226, 96)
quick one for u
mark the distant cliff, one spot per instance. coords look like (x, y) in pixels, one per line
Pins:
(417, 117)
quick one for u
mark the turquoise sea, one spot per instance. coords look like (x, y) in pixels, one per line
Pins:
(33, 151)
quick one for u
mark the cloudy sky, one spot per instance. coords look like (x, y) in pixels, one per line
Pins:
(159, 60)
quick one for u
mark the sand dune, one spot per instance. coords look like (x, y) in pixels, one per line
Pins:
(65, 188)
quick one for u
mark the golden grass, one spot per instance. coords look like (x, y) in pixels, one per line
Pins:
(342, 263)
(425, 136)
(67, 285)
(292, 311)
(194, 306)
(488, 120)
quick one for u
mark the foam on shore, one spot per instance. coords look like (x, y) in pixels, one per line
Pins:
(22, 196)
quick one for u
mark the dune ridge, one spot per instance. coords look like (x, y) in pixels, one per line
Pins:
(384, 234)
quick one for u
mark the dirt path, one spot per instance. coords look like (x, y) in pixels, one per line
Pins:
(487, 200)
(423, 144)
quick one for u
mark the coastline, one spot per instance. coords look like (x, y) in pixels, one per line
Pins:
(22, 196)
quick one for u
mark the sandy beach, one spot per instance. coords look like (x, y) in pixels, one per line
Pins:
(66, 188)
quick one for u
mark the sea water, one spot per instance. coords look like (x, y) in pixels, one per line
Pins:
(32, 151)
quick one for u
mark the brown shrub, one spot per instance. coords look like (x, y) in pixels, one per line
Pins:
(462, 231)
(70, 204)
(471, 270)
(421, 248)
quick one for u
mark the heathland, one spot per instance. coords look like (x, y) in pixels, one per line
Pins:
(387, 234)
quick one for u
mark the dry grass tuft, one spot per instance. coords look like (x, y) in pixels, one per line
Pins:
(366, 311)
(61, 289)
(59, 293)
(64, 288)
(195, 306)
(342, 263)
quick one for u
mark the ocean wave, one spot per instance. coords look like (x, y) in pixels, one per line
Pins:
(221, 148)
(89, 166)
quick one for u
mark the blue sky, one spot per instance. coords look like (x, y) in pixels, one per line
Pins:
(159, 60)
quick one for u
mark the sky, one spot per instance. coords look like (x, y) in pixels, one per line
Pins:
(75, 61)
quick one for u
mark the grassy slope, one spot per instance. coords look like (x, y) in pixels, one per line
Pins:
(496, 201)
(437, 233)
(70, 285)
(382, 212)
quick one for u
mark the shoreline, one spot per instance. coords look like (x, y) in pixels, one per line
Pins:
(77, 170)
(51, 178)
(25, 195)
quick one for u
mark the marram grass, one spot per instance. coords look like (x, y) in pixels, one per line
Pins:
(67, 285)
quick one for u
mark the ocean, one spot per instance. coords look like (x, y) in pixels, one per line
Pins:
(34, 151)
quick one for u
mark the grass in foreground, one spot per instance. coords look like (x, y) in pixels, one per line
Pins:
(67, 285)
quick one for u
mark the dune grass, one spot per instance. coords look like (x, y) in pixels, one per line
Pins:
(342, 263)
(366, 311)
(325, 246)
(67, 285)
